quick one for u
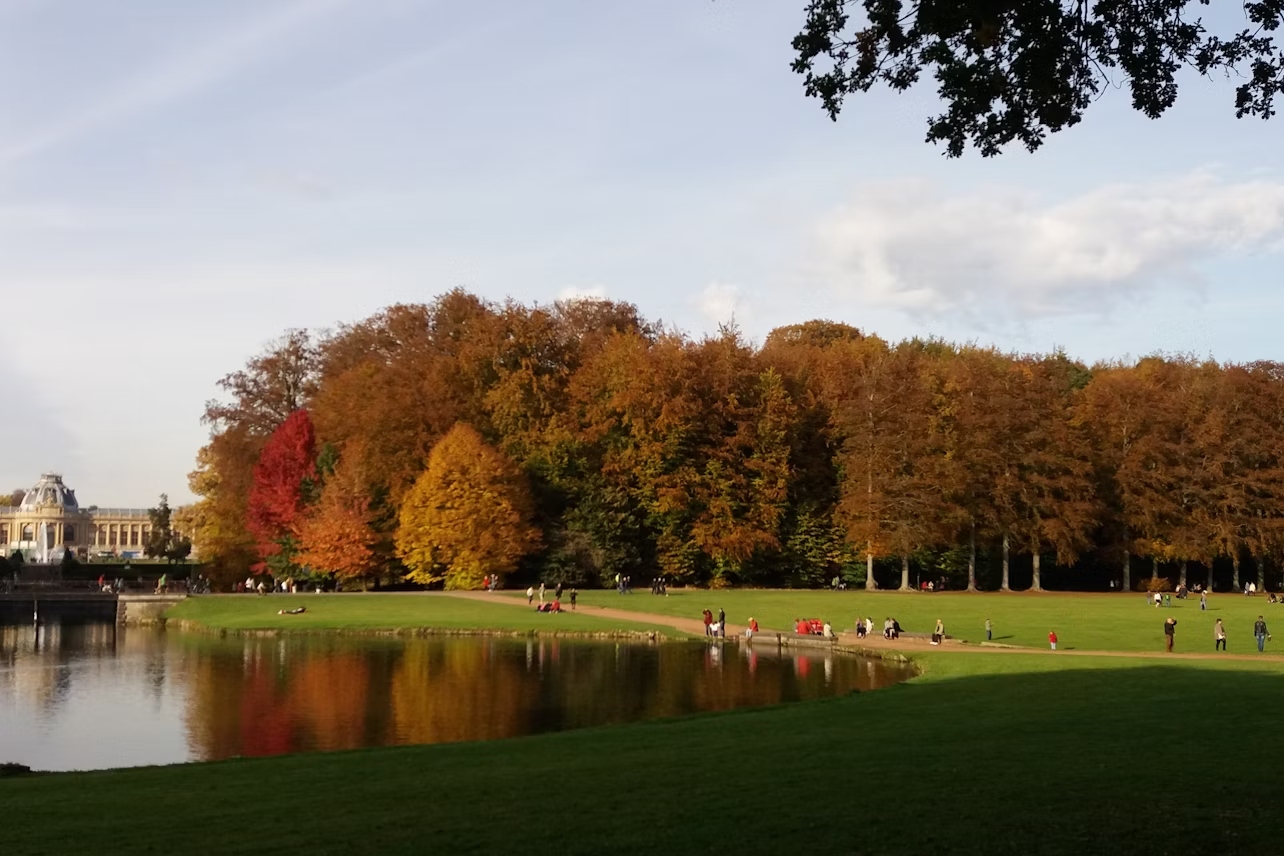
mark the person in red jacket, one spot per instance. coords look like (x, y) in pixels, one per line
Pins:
(1052, 639)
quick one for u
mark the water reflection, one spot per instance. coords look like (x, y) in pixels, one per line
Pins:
(83, 696)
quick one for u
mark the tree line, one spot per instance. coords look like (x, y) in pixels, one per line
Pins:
(574, 441)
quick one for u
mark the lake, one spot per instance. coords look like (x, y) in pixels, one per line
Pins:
(94, 695)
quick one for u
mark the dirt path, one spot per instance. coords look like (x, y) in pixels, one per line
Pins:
(875, 643)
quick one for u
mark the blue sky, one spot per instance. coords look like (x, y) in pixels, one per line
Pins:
(181, 181)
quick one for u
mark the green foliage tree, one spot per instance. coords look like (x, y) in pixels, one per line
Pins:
(160, 540)
(467, 516)
(1016, 72)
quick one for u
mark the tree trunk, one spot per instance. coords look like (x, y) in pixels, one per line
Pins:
(870, 585)
(1034, 583)
(1154, 567)
(1261, 575)
(1235, 568)
(1210, 574)
(1004, 585)
(1127, 571)
(971, 561)
(1181, 581)
(905, 585)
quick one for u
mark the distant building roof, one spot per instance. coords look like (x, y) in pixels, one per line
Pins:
(49, 491)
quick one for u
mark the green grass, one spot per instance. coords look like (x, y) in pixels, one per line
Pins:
(1055, 756)
(1010, 753)
(1104, 622)
(390, 612)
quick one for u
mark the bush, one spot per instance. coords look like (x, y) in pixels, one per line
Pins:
(1154, 584)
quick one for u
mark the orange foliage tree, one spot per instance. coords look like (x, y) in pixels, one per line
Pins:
(335, 536)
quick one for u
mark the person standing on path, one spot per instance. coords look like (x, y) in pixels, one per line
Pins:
(708, 622)
(1170, 629)
(1052, 639)
(989, 631)
(541, 594)
(574, 595)
(938, 635)
(1262, 634)
(1219, 636)
(722, 623)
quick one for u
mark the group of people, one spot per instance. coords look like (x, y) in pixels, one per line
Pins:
(813, 627)
(556, 604)
(624, 584)
(659, 585)
(1260, 633)
(490, 582)
(717, 627)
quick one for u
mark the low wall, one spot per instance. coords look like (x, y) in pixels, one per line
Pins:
(138, 609)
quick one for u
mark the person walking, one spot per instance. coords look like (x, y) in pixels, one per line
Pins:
(1262, 634)
(1170, 629)
(574, 595)
(530, 595)
(1219, 636)
(938, 635)
(1052, 639)
(722, 622)
(1203, 601)
(989, 631)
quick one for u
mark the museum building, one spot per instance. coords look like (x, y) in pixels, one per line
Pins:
(49, 522)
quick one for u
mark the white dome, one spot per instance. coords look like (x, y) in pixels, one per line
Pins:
(50, 492)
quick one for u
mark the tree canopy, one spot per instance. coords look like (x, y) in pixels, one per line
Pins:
(1016, 71)
(607, 445)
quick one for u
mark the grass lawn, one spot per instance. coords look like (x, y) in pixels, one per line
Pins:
(1097, 622)
(366, 612)
(997, 755)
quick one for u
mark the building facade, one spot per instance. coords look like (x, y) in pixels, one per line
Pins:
(50, 522)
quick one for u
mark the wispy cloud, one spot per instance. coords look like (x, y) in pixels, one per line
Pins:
(187, 71)
(1007, 252)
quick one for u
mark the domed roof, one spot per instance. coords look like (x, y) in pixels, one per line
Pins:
(50, 491)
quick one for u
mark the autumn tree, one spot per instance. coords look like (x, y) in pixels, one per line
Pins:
(273, 384)
(1017, 72)
(283, 476)
(891, 505)
(467, 515)
(335, 535)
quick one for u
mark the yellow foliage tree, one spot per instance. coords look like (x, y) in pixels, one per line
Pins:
(467, 515)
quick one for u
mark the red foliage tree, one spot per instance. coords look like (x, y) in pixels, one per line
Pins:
(285, 469)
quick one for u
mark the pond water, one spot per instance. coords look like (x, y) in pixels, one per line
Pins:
(90, 695)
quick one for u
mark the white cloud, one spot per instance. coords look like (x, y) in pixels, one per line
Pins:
(575, 292)
(1005, 251)
(720, 303)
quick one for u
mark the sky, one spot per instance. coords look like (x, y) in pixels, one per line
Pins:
(182, 181)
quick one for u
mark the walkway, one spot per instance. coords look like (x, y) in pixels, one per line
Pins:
(849, 639)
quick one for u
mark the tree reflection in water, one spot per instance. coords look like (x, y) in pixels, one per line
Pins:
(219, 698)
